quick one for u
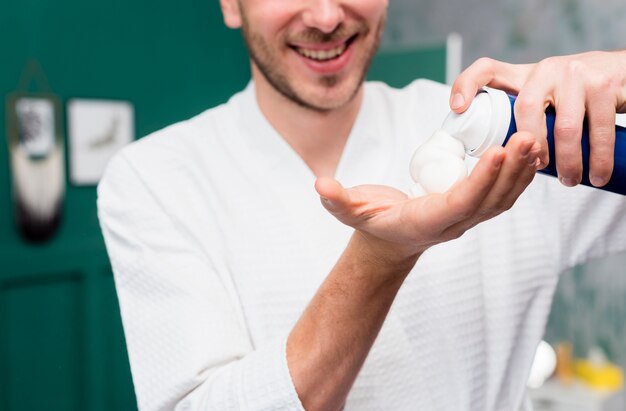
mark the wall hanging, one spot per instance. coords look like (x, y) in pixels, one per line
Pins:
(36, 152)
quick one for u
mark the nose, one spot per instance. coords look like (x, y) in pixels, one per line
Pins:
(324, 15)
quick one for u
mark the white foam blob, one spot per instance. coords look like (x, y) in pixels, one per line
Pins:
(439, 177)
(437, 164)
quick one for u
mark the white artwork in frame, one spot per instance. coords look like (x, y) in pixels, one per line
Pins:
(97, 130)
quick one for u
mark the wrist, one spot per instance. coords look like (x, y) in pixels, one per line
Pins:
(384, 256)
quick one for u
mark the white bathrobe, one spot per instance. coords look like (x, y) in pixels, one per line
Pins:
(218, 241)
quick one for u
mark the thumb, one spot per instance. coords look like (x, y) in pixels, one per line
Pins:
(464, 89)
(334, 197)
(487, 72)
(458, 101)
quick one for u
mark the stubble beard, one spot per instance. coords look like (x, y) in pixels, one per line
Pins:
(270, 67)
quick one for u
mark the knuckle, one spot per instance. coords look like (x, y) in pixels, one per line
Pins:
(548, 63)
(463, 213)
(567, 128)
(502, 206)
(508, 203)
(576, 67)
(606, 83)
(603, 136)
(602, 164)
(526, 104)
(459, 207)
(485, 63)
(601, 84)
(489, 213)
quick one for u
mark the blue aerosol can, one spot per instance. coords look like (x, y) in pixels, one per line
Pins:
(489, 121)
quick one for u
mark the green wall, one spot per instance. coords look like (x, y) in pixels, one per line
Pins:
(61, 340)
(398, 66)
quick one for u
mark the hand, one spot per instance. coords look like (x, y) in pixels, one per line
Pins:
(591, 84)
(403, 227)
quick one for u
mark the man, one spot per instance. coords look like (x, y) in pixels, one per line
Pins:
(239, 291)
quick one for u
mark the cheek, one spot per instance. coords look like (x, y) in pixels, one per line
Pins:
(272, 17)
(372, 10)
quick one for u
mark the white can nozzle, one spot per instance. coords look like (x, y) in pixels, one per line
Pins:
(484, 124)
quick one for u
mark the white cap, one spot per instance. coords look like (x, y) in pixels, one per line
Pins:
(484, 124)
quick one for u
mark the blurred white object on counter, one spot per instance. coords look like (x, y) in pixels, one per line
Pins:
(543, 366)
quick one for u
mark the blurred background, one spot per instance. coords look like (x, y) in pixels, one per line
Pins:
(510, 30)
(80, 79)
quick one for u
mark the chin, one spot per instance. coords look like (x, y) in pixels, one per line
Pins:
(324, 98)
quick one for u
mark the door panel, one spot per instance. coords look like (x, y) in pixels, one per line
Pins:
(42, 321)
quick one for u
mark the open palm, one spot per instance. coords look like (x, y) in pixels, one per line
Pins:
(416, 224)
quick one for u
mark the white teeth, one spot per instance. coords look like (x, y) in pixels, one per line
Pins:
(322, 55)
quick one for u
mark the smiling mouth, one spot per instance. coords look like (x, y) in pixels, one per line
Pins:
(324, 55)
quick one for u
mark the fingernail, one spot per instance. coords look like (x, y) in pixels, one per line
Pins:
(568, 182)
(597, 181)
(457, 101)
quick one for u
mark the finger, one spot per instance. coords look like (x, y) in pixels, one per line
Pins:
(528, 165)
(601, 117)
(518, 170)
(530, 115)
(570, 115)
(487, 72)
(464, 198)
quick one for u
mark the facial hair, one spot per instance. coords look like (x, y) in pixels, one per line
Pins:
(269, 64)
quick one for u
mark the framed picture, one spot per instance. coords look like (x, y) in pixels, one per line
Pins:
(97, 130)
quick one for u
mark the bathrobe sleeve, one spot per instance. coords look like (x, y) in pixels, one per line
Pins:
(187, 339)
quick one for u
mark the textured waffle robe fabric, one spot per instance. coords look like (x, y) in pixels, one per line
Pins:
(218, 241)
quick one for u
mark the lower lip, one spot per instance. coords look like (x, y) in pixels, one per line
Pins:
(330, 66)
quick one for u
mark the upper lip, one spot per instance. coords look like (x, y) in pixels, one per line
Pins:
(323, 46)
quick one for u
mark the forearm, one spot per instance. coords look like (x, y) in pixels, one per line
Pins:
(332, 338)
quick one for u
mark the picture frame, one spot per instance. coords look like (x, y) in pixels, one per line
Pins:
(97, 129)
